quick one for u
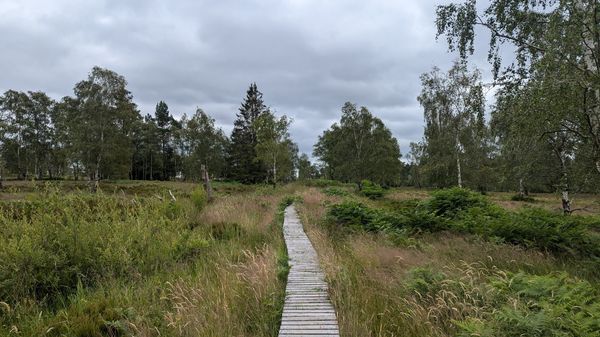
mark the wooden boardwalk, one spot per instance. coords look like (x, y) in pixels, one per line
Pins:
(307, 310)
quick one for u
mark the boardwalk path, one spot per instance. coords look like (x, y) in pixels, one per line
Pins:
(307, 310)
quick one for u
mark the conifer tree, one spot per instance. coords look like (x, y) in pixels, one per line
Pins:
(242, 149)
(165, 124)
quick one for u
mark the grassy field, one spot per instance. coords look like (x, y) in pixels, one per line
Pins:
(391, 276)
(130, 261)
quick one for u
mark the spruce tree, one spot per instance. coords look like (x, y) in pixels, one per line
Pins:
(244, 166)
(165, 125)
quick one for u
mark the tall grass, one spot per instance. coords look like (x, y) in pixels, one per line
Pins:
(444, 283)
(116, 264)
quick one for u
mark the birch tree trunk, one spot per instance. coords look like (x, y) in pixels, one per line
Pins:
(591, 58)
(521, 188)
(96, 182)
(458, 167)
(564, 186)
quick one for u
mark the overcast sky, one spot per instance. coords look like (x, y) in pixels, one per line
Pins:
(307, 57)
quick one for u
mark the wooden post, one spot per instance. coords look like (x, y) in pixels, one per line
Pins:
(206, 179)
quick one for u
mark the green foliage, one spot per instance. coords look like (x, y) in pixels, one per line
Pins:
(242, 150)
(539, 305)
(477, 301)
(544, 83)
(455, 147)
(75, 264)
(335, 191)
(53, 243)
(464, 211)
(274, 147)
(172, 209)
(199, 198)
(371, 190)
(208, 146)
(424, 280)
(306, 170)
(354, 215)
(359, 216)
(359, 147)
(226, 231)
(448, 202)
(538, 228)
(288, 200)
(96, 317)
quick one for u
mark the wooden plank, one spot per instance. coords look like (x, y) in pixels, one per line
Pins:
(307, 310)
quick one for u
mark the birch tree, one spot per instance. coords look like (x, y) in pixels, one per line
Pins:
(453, 106)
(102, 121)
(547, 37)
(359, 147)
(274, 147)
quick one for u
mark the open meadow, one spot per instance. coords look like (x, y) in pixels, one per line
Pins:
(133, 261)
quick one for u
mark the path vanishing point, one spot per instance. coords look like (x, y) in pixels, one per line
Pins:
(307, 310)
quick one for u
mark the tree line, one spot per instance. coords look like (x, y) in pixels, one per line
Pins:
(99, 133)
(543, 132)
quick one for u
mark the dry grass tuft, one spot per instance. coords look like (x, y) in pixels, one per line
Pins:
(238, 293)
(250, 211)
(230, 303)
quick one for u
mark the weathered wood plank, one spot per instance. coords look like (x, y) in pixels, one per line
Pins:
(307, 310)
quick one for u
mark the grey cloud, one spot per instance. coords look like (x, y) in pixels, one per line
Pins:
(308, 57)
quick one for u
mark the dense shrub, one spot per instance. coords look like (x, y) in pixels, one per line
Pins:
(288, 200)
(357, 215)
(539, 228)
(371, 190)
(449, 202)
(94, 317)
(199, 198)
(335, 191)
(468, 212)
(425, 221)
